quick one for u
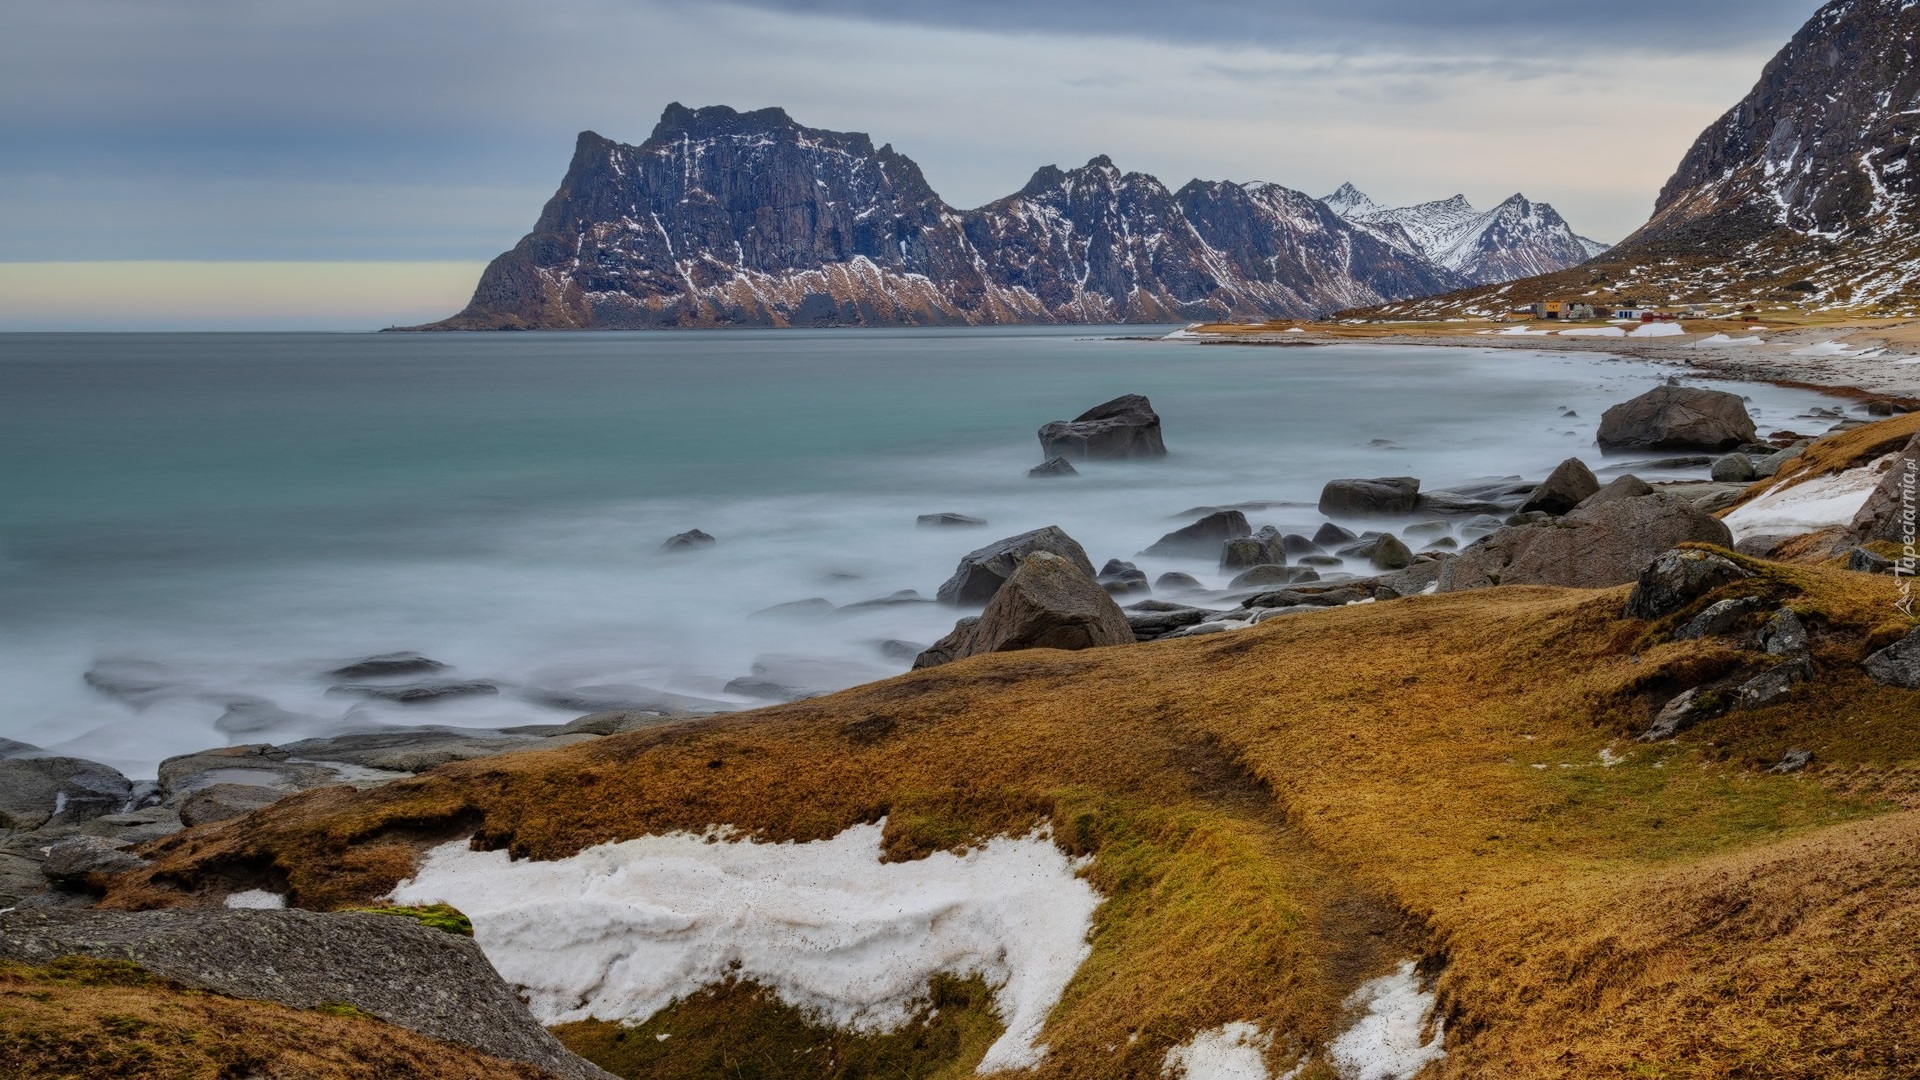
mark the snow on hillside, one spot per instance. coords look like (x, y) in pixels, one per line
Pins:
(1519, 238)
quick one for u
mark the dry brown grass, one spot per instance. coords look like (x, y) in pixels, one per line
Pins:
(1278, 813)
(107, 1020)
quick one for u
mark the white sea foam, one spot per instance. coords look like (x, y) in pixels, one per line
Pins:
(620, 931)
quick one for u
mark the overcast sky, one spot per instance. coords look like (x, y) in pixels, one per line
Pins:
(432, 130)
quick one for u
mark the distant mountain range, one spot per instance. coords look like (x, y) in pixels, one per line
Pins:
(724, 218)
(1807, 191)
(1518, 238)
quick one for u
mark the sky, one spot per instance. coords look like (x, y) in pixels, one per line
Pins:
(264, 164)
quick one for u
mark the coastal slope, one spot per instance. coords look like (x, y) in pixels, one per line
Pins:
(1806, 191)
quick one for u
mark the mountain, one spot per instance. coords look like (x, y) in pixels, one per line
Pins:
(1806, 192)
(1519, 238)
(750, 219)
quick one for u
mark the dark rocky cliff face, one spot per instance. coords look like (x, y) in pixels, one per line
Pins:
(749, 219)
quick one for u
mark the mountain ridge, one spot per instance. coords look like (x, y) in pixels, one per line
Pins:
(1517, 238)
(731, 218)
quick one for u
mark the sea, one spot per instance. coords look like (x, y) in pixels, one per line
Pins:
(196, 528)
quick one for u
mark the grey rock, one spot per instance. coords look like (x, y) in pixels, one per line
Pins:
(612, 697)
(1426, 528)
(691, 540)
(1676, 579)
(1175, 581)
(1053, 467)
(1481, 525)
(255, 717)
(794, 677)
(1264, 575)
(1320, 560)
(1203, 538)
(948, 521)
(898, 598)
(1264, 548)
(813, 607)
(1773, 685)
(387, 664)
(1762, 546)
(1684, 711)
(1734, 468)
(77, 859)
(20, 877)
(218, 802)
(1792, 762)
(1389, 553)
(1770, 465)
(1048, 603)
(1627, 486)
(1883, 515)
(1785, 635)
(1322, 596)
(1124, 428)
(1453, 502)
(1712, 502)
(421, 979)
(1115, 570)
(1677, 418)
(1125, 587)
(1718, 620)
(417, 693)
(1331, 535)
(1384, 496)
(615, 722)
(1863, 561)
(135, 826)
(1295, 544)
(981, 572)
(138, 683)
(1150, 625)
(1565, 488)
(36, 791)
(1594, 547)
(257, 764)
(1898, 664)
(1447, 542)
(1530, 517)
(900, 651)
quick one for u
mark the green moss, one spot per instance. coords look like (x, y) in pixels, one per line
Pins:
(443, 917)
(740, 1029)
(342, 1008)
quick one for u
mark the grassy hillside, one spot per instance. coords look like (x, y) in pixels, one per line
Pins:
(1280, 813)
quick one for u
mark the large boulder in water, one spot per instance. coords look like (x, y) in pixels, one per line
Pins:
(1597, 546)
(982, 571)
(1383, 496)
(1570, 483)
(1264, 548)
(1126, 427)
(1048, 603)
(1203, 538)
(1677, 418)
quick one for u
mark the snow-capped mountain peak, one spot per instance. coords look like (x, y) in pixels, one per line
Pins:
(1518, 238)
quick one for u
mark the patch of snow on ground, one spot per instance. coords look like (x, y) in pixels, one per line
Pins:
(1295, 330)
(1804, 507)
(1517, 331)
(1824, 348)
(619, 931)
(1236, 1051)
(1722, 339)
(1184, 332)
(256, 899)
(1658, 329)
(1385, 1044)
(1594, 331)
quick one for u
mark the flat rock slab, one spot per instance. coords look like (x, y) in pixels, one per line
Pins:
(425, 980)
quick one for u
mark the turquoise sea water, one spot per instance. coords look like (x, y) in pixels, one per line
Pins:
(238, 512)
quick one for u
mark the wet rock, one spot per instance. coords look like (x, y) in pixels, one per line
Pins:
(624, 697)
(1048, 603)
(1453, 502)
(1331, 535)
(1319, 560)
(1152, 625)
(81, 860)
(1322, 596)
(135, 826)
(616, 722)
(417, 693)
(1898, 664)
(948, 521)
(1125, 587)
(218, 802)
(1174, 581)
(1385, 496)
(1771, 464)
(1422, 529)
(1295, 544)
(1389, 553)
(1785, 634)
(898, 598)
(981, 572)
(1264, 575)
(1677, 578)
(1594, 547)
(1053, 467)
(1481, 525)
(1860, 560)
(387, 664)
(1733, 468)
(1203, 538)
(1677, 418)
(425, 980)
(40, 790)
(1121, 429)
(258, 764)
(389, 751)
(1628, 486)
(1263, 548)
(814, 607)
(691, 540)
(793, 677)
(1565, 488)
(1718, 620)
(254, 717)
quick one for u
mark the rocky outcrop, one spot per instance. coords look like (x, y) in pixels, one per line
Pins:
(1891, 511)
(1204, 538)
(1678, 578)
(425, 980)
(1264, 548)
(1126, 427)
(1386, 496)
(1898, 664)
(982, 571)
(1048, 603)
(1677, 418)
(724, 218)
(1593, 547)
(1570, 484)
